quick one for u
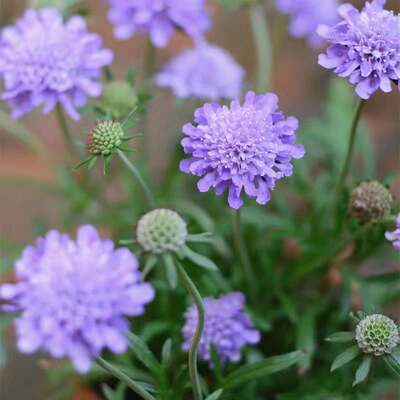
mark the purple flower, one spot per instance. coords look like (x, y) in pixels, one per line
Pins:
(242, 147)
(306, 15)
(75, 296)
(44, 61)
(365, 47)
(395, 235)
(159, 18)
(226, 326)
(206, 72)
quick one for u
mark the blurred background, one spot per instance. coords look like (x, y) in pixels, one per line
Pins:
(297, 78)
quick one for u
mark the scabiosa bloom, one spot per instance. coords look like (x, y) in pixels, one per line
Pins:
(227, 327)
(159, 18)
(75, 296)
(365, 47)
(395, 235)
(242, 147)
(44, 61)
(205, 72)
(306, 15)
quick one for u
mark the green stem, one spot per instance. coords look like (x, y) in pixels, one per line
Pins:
(124, 378)
(192, 290)
(136, 173)
(64, 129)
(243, 255)
(262, 41)
(350, 150)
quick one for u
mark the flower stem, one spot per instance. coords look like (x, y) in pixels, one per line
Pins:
(136, 173)
(350, 150)
(192, 290)
(262, 40)
(62, 122)
(243, 255)
(124, 378)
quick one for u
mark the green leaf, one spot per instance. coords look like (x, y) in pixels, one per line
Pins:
(199, 259)
(170, 268)
(200, 238)
(151, 262)
(348, 355)
(340, 337)
(263, 368)
(166, 352)
(306, 338)
(117, 394)
(392, 364)
(215, 395)
(143, 353)
(363, 370)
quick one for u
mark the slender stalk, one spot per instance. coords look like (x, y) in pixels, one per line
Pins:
(243, 255)
(192, 290)
(124, 378)
(136, 173)
(350, 150)
(262, 41)
(62, 122)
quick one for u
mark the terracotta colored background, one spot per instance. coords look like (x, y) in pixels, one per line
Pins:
(297, 78)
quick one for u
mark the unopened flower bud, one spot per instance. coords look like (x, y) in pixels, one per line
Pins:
(105, 138)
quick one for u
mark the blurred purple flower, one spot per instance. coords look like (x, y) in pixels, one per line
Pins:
(159, 18)
(395, 235)
(306, 15)
(226, 326)
(242, 147)
(365, 47)
(44, 61)
(204, 72)
(75, 296)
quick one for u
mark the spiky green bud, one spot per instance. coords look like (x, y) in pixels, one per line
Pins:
(105, 138)
(117, 100)
(377, 335)
(161, 231)
(370, 202)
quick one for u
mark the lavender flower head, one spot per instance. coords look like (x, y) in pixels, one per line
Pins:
(205, 72)
(241, 148)
(306, 15)
(44, 61)
(395, 235)
(158, 18)
(365, 47)
(226, 326)
(75, 296)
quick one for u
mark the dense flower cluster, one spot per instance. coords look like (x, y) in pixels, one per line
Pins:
(365, 47)
(106, 137)
(205, 72)
(75, 296)
(158, 18)
(44, 61)
(306, 15)
(377, 334)
(395, 235)
(227, 327)
(242, 147)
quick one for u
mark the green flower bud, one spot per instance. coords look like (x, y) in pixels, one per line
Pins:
(118, 99)
(161, 231)
(105, 138)
(370, 202)
(63, 5)
(377, 335)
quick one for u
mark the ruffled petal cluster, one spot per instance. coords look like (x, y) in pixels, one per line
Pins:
(395, 235)
(306, 15)
(364, 47)
(159, 18)
(44, 62)
(241, 148)
(75, 297)
(204, 72)
(227, 327)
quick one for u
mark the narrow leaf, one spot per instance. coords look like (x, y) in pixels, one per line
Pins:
(263, 368)
(392, 364)
(170, 268)
(199, 259)
(363, 370)
(348, 355)
(200, 238)
(143, 353)
(166, 352)
(340, 337)
(149, 265)
(215, 395)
